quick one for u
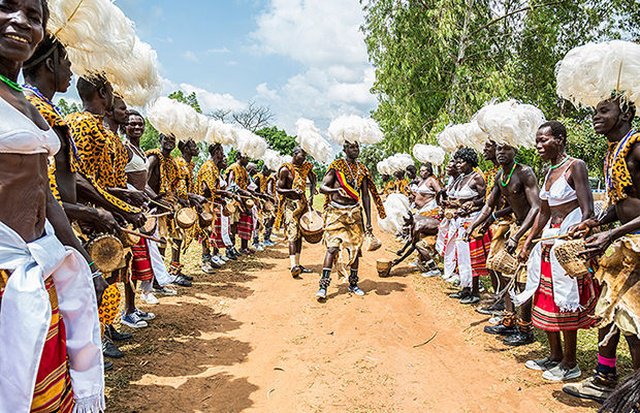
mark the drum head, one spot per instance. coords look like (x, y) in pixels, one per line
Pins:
(106, 252)
(186, 217)
(150, 226)
(312, 221)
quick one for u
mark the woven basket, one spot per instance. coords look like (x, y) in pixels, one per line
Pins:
(504, 263)
(312, 226)
(568, 256)
(107, 252)
(384, 267)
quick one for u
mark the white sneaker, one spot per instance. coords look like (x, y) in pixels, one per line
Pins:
(165, 291)
(149, 299)
(432, 273)
(218, 260)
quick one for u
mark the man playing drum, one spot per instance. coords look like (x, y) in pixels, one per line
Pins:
(292, 186)
(266, 182)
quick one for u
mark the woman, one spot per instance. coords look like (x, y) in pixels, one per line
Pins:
(560, 303)
(444, 244)
(56, 338)
(425, 191)
(469, 192)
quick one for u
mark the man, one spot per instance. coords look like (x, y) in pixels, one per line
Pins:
(347, 186)
(238, 180)
(400, 184)
(266, 182)
(412, 175)
(518, 185)
(164, 179)
(292, 187)
(619, 265)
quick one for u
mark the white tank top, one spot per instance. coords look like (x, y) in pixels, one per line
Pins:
(19, 135)
(137, 163)
(560, 191)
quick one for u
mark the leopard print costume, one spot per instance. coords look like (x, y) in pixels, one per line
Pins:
(300, 174)
(616, 172)
(170, 174)
(362, 173)
(240, 175)
(210, 175)
(186, 172)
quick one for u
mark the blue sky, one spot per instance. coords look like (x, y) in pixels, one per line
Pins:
(302, 58)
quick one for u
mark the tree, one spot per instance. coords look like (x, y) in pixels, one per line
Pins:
(254, 117)
(439, 61)
(278, 139)
(67, 108)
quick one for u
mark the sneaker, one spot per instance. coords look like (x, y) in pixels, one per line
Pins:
(519, 339)
(269, 243)
(149, 299)
(305, 270)
(356, 290)
(107, 365)
(216, 259)
(432, 273)
(321, 294)
(165, 291)
(470, 299)
(144, 315)
(186, 277)
(111, 350)
(207, 268)
(561, 373)
(223, 258)
(134, 321)
(181, 281)
(460, 294)
(541, 364)
(496, 308)
(501, 329)
(592, 388)
(414, 264)
(231, 256)
(296, 271)
(115, 335)
(258, 247)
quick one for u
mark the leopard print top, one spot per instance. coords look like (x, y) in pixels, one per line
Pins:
(240, 175)
(186, 172)
(616, 172)
(210, 175)
(170, 176)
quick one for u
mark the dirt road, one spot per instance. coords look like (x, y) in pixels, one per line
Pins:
(250, 338)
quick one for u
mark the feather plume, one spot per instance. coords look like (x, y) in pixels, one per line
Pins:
(397, 209)
(310, 139)
(591, 73)
(511, 123)
(355, 129)
(137, 80)
(429, 154)
(398, 162)
(249, 144)
(220, 132)
(171, 117)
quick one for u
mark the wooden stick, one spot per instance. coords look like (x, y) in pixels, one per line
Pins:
(160, 204)
(159, 215)
(141, 235)
(563, 236)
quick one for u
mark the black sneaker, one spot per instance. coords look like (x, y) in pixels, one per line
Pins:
(107, 365)
(115, 335)
(231, 255)
(501, 329)
(519, 339)
(305, 270)
(460, 294)
(496, 308)
(182, 281)
(110, 350)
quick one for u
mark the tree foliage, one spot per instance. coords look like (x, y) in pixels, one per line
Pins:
(67, 108)
(439, 61)
(254, 117)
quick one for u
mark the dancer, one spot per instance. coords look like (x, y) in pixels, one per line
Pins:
(518, 185)
(266, 182)
(560, 303)
(52, 345)
(292, 186)
(347, 185)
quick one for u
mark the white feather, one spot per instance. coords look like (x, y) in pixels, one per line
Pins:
(589, 74)
(429, 154)
(397, 209)
(355, 129)
(310, 139)
(510, 122)
(249, 144)
(171, 117)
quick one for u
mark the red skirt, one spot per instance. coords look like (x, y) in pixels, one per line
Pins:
(546, 314)
(141, 265)
(479, 248)
(216, 236)
(245, 226)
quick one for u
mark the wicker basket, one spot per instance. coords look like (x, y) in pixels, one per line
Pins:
(384, 267)
(568, 256)
(312, 226)
(503, 262)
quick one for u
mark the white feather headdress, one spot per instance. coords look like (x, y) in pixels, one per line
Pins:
(398, 162)
(220, 132)
(511, 123)
(249, 144)
(591, 73)
(397, 209)
(310, 139)
(137, 79)
(452, 137)
(171, 117)
(429, 154)
(355, 129)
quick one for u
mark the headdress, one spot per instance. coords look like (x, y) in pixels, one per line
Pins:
(249, 144)
(399, 162)
(511, 123)
(429, 154)
(171, 117)
(309, 139)
(355, 129)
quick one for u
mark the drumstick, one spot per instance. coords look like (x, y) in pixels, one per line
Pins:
(145, 236)
(160, 204)
(563, 236)
(159, 215)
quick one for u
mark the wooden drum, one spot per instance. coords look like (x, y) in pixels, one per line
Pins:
(186, 217)
(107, 252)
(312, 226)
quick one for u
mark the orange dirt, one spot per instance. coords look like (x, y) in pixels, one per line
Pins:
(250, 338)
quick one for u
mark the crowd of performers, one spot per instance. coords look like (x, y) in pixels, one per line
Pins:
(77, 187)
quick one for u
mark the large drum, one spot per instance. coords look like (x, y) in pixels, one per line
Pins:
(186, 217)
(312, 226)
(107, 253)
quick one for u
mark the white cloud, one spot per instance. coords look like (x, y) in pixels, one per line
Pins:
(191, 56)
(210, 101)
(324, 36)
(218, 50)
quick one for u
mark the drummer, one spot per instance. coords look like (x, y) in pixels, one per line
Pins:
(613, 119)
(292, 186)
(164, 178)
(147, 264)
(266, 182)
(518, 185)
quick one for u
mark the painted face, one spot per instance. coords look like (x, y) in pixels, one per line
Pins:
(505, 154)
(606, 117)
(63, 71)
(21, 29)
(119, 111)
(548, 146)
(299, 157)
(489, 151)
(134, 128)
(352, 150)
(168, 143)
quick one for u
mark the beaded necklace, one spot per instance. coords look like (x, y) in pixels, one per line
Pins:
(502, 182)
(566, 158)
(13, 85)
